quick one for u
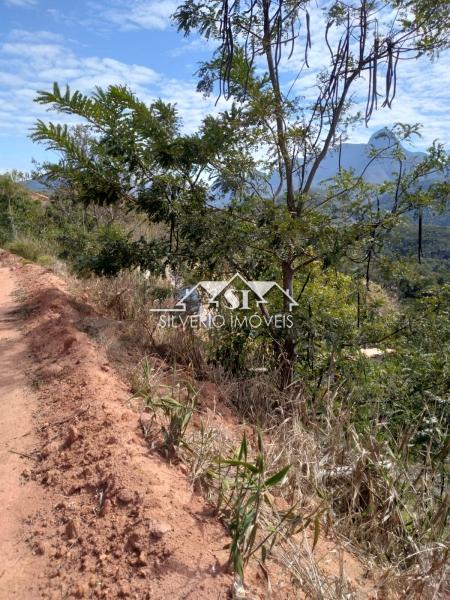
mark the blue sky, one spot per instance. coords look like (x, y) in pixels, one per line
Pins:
(98, 42)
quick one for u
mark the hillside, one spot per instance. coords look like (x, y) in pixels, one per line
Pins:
(91, 508)
(361, 160)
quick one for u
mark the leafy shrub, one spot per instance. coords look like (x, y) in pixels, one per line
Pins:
(243, 499)
(19, 213)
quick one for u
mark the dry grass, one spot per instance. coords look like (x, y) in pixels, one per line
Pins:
(309, 574)
(386, 507)
(389, 508)
(129, 297)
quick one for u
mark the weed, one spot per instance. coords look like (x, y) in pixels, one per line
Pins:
(175, 415)
(244, 498)
(202, 449)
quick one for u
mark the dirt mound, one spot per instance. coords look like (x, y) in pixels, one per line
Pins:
(119, 521)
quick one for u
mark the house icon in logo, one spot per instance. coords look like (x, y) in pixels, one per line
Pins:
(233, 298)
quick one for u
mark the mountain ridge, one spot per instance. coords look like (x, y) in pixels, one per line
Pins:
(359, 157)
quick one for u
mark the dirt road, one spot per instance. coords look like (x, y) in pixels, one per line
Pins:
(88, 509)
(19, 567)
(91, 512)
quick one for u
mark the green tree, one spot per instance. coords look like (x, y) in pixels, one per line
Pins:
(19, 213)
(289, 222)
(239, 194)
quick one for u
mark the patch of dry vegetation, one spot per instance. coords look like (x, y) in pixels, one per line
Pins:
(364, 494)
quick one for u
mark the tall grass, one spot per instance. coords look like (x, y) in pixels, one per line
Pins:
(374, 490)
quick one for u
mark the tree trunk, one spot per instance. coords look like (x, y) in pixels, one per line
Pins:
(288, 353)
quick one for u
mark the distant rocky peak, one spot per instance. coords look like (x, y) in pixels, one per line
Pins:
(384, 138)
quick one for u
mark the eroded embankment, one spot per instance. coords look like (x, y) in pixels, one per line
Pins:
(95, 512)
(105, 517)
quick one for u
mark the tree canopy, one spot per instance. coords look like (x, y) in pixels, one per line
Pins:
(241, 193)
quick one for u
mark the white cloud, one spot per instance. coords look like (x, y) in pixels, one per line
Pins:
(422, 85)
(39, 60)
(9, 79)
(32, 61)
(22, 35)
(419, 99)
(35, 52)
(21, 3)
(140, 14)
(192, 106)
(192, 45)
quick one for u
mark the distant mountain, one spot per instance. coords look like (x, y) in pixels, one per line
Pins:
(357, 157)
(375, 163)
(360, 158)
(36, 186)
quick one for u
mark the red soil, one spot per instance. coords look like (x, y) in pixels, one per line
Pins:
(89, 510)
(113, 520)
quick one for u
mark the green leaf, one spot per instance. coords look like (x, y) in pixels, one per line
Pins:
(260, 442)
(278, 477)
(240, 463)
(238, 563)
(243, 450)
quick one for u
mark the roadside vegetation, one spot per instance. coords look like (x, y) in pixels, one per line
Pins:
(350, 444)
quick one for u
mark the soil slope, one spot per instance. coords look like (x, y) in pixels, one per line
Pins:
(88, 511)
(19, 567)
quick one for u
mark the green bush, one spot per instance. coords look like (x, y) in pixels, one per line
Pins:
(19, 213)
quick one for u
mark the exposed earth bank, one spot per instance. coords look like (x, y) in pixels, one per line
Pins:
(87, 510)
